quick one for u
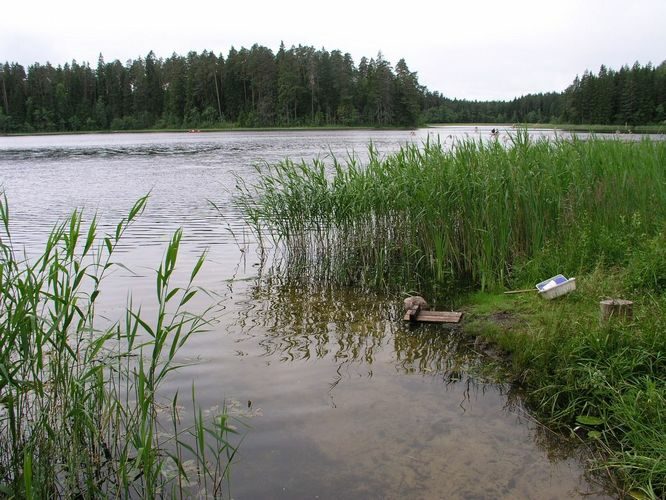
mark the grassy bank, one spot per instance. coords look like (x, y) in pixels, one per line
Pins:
(81, 413)
(485, 216)
(603, 381)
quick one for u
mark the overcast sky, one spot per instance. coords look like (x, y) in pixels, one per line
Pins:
(475, 49)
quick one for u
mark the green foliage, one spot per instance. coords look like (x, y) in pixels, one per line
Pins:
(477, 215)
(604, 382)
(616, 372)
(624, 98)
(299, 86)
(80, 400)
(482, 215)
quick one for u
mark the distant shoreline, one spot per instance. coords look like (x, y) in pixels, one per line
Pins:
(199, 131)
(610, 129)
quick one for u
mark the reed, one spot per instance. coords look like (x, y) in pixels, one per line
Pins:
(435, 218)
(80, 404)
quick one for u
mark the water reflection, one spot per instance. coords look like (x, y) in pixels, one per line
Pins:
(414, 410)
(405, 416)
(296, 320)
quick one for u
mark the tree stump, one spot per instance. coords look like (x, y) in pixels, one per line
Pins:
(616, 308)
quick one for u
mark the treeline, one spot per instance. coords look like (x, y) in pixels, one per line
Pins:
(633, 96)
(300, 86)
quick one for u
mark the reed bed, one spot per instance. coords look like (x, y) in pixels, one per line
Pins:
(435, 218)
(81, 415)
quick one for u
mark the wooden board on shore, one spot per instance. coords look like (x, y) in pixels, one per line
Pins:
(435, 317)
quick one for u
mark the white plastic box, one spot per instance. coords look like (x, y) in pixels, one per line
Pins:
(556, 286)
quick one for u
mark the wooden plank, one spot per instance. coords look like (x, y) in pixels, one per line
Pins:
(436, 317)
(412, 314)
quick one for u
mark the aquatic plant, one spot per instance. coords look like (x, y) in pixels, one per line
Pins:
(81, 412)
(433, 218)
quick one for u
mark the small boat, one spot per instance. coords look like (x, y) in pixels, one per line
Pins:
(556, 286)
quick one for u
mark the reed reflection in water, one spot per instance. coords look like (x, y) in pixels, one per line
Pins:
(299, 321)
(408, 411)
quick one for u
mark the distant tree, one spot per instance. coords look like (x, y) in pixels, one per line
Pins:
(289, 89)
(261, 73)
(235, 85)
(152, 86)
(407, 96)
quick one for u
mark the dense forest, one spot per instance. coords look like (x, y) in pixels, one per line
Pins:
(252, 87)
(630, 96)
(300, 86)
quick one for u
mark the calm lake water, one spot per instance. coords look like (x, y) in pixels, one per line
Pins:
(345, 400)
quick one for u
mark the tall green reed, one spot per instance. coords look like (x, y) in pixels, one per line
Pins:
(80, 403)
(437, 218)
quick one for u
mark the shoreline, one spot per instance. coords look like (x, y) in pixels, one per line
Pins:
(610, 129)
(200, 131)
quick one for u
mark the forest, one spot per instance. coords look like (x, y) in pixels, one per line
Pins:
(296, 87)
(630, 96)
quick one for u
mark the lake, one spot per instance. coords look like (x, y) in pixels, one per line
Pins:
(342, 399)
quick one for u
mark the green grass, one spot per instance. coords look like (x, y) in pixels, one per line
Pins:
(489, 216)
(80, 403)
(605, 382)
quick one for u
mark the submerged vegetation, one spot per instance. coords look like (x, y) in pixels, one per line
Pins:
(486, 215)
(81, 413)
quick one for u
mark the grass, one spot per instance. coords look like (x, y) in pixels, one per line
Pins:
(81, 414)
(605, 382)
(486, 216)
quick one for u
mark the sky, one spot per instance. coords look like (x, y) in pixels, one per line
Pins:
(471, 49)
